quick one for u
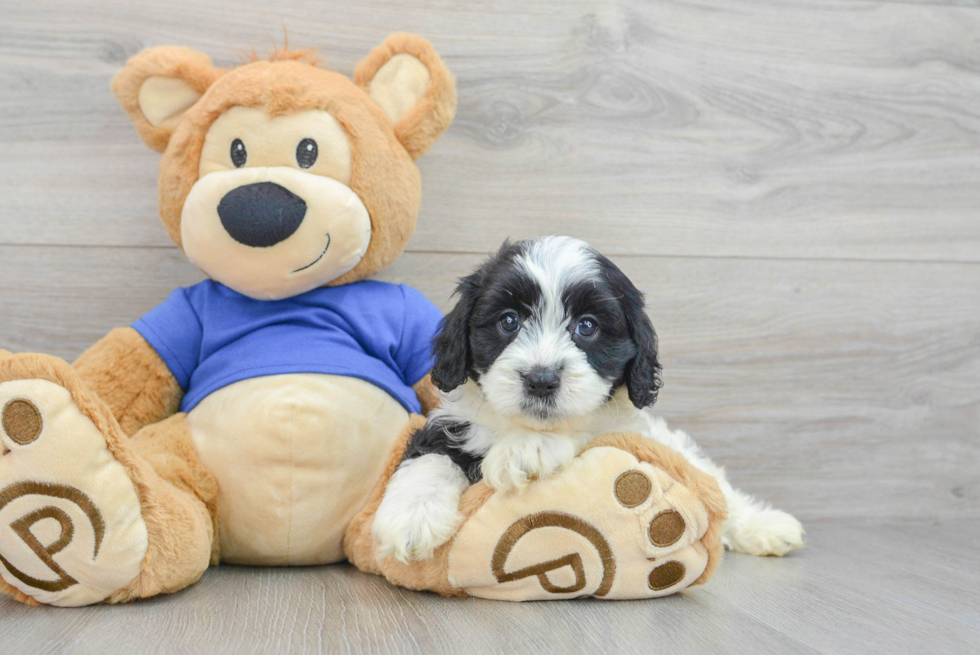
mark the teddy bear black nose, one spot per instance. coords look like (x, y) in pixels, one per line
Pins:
(261, 214)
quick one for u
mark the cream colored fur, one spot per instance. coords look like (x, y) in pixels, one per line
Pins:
(516, 454)
(164, 99)
(399, 85)
(174, 496)
(274, 139)
(293, 462)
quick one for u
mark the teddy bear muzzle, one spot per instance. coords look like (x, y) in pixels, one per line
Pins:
(273, 232)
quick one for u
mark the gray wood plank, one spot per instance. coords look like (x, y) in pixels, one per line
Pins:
(954, 3)
(858, 587)
(834, 389)
(818, 129)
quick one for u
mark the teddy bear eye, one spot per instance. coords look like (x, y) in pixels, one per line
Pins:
(238, 153)
(306, 153)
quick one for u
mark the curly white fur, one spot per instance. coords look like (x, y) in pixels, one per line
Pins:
(419, 511)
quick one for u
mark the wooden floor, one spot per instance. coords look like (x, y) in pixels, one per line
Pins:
(794, 184)
(861, 588)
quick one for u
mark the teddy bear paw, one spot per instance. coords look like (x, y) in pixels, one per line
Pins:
(609, 525)
(71, 530)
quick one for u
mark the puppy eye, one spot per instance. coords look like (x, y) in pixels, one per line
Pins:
(587, 327)
(306, 153)
(238, 154)
(509, 323)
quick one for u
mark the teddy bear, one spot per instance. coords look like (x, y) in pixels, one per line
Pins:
(255, 417)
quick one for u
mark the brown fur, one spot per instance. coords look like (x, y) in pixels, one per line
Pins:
(125, 389)
(124, 371)
(285, 53)
(17, 595)
(428, 394)
(173, 517)
(168, 448)
(183, 506)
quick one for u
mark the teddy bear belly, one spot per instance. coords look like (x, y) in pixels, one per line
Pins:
(295, 457)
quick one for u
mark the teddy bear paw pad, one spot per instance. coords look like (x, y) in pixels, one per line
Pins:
(71, 529)
(609, 526)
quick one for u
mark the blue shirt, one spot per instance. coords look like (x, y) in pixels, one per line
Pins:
(210, 336)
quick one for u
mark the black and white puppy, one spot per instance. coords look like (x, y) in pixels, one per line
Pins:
(548, 348)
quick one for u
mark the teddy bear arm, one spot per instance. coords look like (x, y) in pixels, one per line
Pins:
(427, 393)
(130, 377)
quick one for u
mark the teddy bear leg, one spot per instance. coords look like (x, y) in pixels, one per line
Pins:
(182, 522)
(630, 518)
(84, 518)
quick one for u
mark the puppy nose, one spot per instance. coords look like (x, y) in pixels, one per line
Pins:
(261, 214)
(542, 382)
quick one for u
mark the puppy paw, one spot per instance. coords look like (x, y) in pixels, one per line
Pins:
(413, 535)
(764, 532)
(419, 512)
(513, 464)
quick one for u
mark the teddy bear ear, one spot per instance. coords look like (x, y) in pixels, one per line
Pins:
(407, 79)
(158, 85)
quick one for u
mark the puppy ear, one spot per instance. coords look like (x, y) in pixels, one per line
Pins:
(158, 85)
(451, 347)
(643, 372)
(406, 78)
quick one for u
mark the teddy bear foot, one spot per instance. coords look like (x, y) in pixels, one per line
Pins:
(71, 529)
(629, 518)
(618, 523)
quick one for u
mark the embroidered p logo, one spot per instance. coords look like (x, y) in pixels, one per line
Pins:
(22, 527)
(540, 520)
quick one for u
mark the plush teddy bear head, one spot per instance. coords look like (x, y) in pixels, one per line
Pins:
(279, 176)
